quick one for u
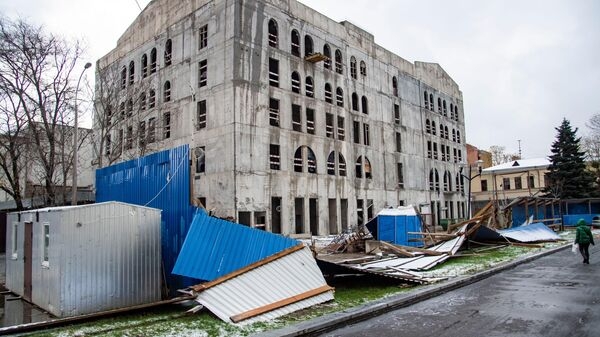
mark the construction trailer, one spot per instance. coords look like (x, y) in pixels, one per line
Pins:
(79, 260)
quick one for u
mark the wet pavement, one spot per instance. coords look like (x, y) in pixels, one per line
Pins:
(555, 295)
(14, 311)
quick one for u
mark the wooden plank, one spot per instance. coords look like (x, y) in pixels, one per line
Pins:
(396, 249)
(433, 234)
(279, 304)
(204, 286)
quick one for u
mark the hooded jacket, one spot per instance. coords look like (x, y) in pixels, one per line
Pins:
(583, 234)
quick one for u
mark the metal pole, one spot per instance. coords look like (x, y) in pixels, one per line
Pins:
(76, 136)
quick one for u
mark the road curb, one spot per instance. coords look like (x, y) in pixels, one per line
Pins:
(332, 321)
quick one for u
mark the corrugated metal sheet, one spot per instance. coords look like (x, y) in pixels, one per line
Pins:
(160, 180)
(287, 276)
(215, 247)
(530, 233)
(100, 257)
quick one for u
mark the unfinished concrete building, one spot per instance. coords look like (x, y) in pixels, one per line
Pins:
(298, 124)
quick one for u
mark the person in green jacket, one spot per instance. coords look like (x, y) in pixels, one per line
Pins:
(583, 237)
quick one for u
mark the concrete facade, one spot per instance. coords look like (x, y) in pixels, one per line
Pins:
(314, 163)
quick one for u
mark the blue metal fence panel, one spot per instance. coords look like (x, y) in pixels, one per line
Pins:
(160, 180)
(413, 224)
(216, 247)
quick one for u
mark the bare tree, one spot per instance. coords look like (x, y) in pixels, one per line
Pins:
(591, 145)
(499, 155)
(37, 74)
(125, 121)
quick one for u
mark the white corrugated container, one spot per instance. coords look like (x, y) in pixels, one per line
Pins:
(99, 257)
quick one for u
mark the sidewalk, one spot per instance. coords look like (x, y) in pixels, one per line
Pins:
(331, 321)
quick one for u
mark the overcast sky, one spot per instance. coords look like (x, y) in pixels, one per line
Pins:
(522, 65)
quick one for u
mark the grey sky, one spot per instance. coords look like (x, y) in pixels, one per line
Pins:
(522, 65)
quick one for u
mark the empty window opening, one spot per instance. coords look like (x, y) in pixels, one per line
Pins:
(260, 220)
(400, 174)
(356, 132)
(341, 130)
(203, 37)
(151, 99)
(363, 68)
(123, 77)
(329, 125)
(276, 215)
(313, 215)
(327, 54)
(308, 46)
(338, 62)
(353, 72)
(339, 96)
(360, 217)
(295, 43)
(296, 118)
(299, 215)
(153, 61)
(199, 155)
(354, 101)
(245, 218)
(144, 66)
(46, 244)
(310, 121)
(328, 94)
(397, 114)
(332, 207)
(201, 115)
(273, 112)
(131, 72)
(167, 92)
(273, 72)
(129, 138)
(143, 101)
(274, 157)
(395, 86)
(151, 130)
(439, 105)
(344, 214)
(365, 105)
(331, 164)
(166, 125)
(398, 142)
(168, 52)
(366, 135)
(309, 87)
(142, 134)
(273, 33)
(295, 82)
(202, 73)
(341, 165)
(129, 107)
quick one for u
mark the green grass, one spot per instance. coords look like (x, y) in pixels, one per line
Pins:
(350, 291)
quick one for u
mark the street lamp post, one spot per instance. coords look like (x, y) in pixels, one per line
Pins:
(469, 178)
(76, 136)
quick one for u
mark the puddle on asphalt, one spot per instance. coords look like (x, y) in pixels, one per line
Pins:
(16, 312)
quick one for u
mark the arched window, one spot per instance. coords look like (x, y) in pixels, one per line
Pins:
(273, 33)
(433, 128)
(302, 154)
(338, 62)
(167, 92)
(434, 180)
(310, 92)
(168, 52)
(453, 135)
(327, 54)
(447, 181)
(447, 134)
(308, 45)
(131, 72)
(426, 100)
(427, 126)
(295, 43)
(363, 68)
(151, 99)
(296, 82)
(354, 101)
(123, 77)
(331, 164)
(144, 66)
(358, 167)
(439, 105)
(395, 86)
(458, 136)
(328, 93)
(431, 106)
(339, 97)
(365, 105)
(153, 61)
(456, 113)
(445, 109)
(143, 101)
(353, 72)
(451, 111)
(341, 165)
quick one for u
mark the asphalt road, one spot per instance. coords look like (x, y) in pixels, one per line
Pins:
(552, 296)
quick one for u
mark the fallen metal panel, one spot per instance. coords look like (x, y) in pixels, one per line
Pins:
(530, 233)
(288, 276)
(216, 247)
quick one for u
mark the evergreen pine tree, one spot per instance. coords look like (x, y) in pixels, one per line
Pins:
(568, 177)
